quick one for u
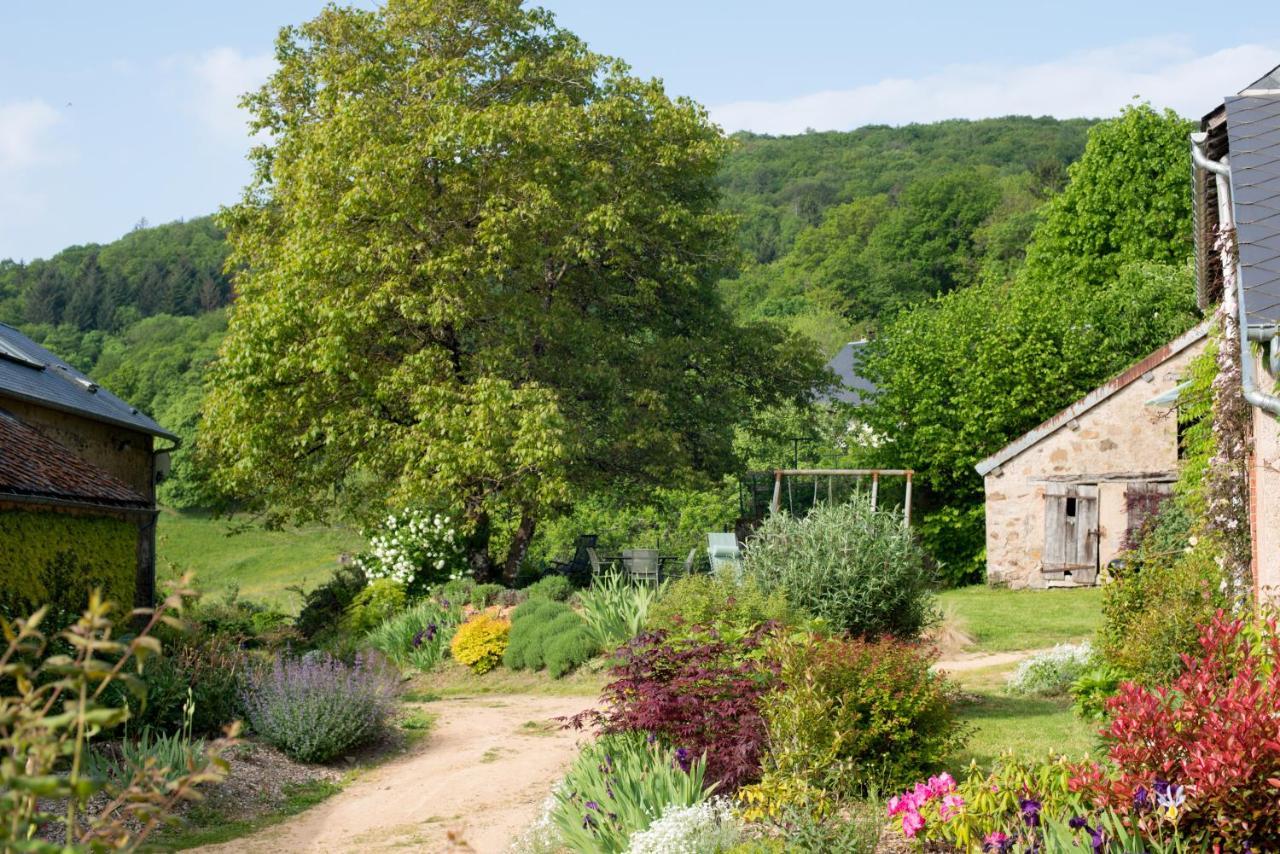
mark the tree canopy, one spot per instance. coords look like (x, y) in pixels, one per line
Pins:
(1106, 280)
(479, 269)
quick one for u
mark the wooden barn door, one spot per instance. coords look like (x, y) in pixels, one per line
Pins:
(1071, 532)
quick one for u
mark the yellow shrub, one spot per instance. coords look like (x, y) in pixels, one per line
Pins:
(777, 792)
(480, 642)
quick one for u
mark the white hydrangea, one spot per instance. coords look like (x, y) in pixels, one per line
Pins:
(411, 543)
(703, 828)
(542, 837)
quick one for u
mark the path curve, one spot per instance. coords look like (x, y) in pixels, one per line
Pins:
(967, 661)
(477, 782)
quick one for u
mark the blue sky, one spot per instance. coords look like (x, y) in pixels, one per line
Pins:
(111, 112)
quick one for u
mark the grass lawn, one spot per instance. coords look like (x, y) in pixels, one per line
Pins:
(260, 563)
(1002, 620)
(1029, 726)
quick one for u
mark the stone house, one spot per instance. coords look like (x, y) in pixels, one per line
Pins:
(1236, 202)
(78, 468)
(1062, 498)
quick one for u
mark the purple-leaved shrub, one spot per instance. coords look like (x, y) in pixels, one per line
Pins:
(316, 707)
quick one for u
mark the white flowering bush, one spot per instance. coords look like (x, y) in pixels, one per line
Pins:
(542, 837)
(416, 549)
(704, 828)
(1051, 672)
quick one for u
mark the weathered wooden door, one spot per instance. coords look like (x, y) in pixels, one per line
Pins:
(1070, 527)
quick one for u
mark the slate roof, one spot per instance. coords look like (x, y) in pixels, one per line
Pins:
(853, 388)
(1253, 133)
(30, 372)
(34, 465)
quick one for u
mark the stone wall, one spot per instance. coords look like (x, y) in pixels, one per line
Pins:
(1118, 441)
(1264, 480)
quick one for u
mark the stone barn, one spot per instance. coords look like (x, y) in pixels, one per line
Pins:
(1061, 498)
(78, 468)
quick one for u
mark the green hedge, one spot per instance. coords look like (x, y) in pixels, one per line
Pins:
(56, 559)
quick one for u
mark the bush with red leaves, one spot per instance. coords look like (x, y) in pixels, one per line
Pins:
(696, 692)
(1214, 732)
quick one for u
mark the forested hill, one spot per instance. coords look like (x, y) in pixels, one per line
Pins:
(842, 229)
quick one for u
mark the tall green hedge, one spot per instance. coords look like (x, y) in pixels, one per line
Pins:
(56, 559)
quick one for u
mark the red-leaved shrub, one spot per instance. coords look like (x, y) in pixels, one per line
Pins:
(1215, 732)
(696, 692)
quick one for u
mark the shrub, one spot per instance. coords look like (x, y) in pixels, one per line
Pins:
(418, 636)
(316, 708)
(546, 632)
(555, 587)
(1053, 672)
(857, 568)
(324, 606)
(383, 598)
(484, 595)
(697, 692)
(53, 700)
(708, 827)
(209, 668)
(1092, 688)
(618, 786)
(853, 716)
(417, 549)
(1212, 735)
(615, 608)
(721, 601)
(480, 641)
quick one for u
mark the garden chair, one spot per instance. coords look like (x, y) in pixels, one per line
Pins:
(578, 567)
(642, 565)
(724, 554)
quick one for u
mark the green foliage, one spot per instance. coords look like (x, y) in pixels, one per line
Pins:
(196, 685)
(54, 701)
(56, 559)
(1094, 687)
(854, 717)
(170, 269)
(173, 754)
(731, 606)
(548, 633)
(417, 637)
(615, 608)
(619, 785)
(857, 568)
(324, 606)
(382, 599)
(1106, 282)
(522, 273)
(480, 642)
(555, 587)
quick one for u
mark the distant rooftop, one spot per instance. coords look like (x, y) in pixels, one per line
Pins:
(1253, 136)
(34, 466)
(30, 372)
(847, 365)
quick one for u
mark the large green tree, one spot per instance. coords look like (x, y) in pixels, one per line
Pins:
(1106, 281)
(476, 268)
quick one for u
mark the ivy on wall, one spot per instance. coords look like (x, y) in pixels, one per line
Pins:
(56, 559)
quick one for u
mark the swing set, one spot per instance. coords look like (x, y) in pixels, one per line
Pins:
(841, 484)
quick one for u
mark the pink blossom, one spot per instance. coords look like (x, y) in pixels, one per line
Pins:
(951, 805)
(912, 823)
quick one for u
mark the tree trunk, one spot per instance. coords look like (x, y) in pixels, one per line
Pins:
(478, 559)
(519, 546)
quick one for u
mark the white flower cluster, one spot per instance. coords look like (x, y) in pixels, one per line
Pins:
(703, 828)
(1052, 671)
(542, 837)
(410, 544)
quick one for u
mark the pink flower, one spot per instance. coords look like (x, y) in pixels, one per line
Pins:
(951, 805)
(912, 823)
(895, 805)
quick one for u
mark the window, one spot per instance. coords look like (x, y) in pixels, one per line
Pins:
(1071, 508)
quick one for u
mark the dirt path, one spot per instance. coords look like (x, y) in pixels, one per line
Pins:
(966, 661)
(474, 784)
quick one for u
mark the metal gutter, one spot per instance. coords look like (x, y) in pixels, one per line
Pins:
(73, 504)
(1248, 374)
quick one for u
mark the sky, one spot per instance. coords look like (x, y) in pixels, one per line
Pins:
(111, 113)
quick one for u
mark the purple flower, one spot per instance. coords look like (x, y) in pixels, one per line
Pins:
(592, 805)
(588, 821)
(1098, 838)
(1030, 811)
(1079, 823)
(431, 630)
(1161, 787)
(417, 638)
(684, 759)
(1141, 798)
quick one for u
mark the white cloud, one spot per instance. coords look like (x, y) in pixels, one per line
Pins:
(223, 75)
(1166, 72)
(24, 134)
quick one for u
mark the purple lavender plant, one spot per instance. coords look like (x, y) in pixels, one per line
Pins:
(316, 708)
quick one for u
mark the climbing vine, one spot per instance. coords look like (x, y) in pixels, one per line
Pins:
(56, 559)
(1226, 482)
